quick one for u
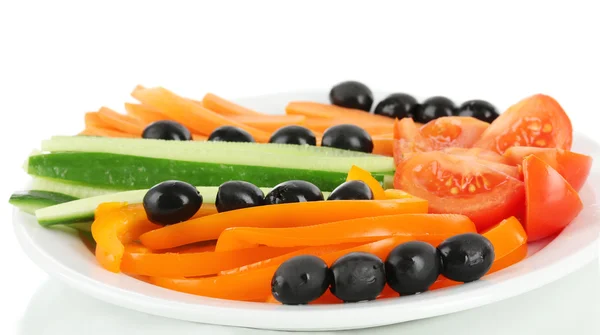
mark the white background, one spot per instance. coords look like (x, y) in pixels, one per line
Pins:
(60, 59)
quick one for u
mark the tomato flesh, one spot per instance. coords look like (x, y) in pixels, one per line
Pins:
(453, 131)
(536, 121)
(551, 202)
(462, 185)
(572, 166)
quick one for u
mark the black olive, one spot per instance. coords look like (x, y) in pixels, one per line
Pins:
(466, 257)
(434, 108)
(230, 134)
(293, 135)
(412, 267)
(300, 280)
(293, 191)
(479, 109)
(352, 190)
(352, 94)
(238, 194)
(348, 137)
(398, 106)
(171, 202)
(167, 130)
(357, 276)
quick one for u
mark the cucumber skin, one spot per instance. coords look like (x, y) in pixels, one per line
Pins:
(30, 201)
(124, 172)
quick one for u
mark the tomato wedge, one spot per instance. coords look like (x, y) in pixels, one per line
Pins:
(484, 191)
(453, 131)
(408, 139)
(536, 121)
(479, 153)
(551, 202)
(574, 167)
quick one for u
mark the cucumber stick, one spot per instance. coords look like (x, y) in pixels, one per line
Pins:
(228, 153)
(126, 172)
(83, 210)
(30, 201)
(67, 188)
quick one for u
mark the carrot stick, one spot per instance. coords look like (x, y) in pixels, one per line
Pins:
(269, 123)
(121, 122)
(92, 119)
(432, 228)
(383, 145)
(305, 214)
(197, 118)
(325, 111)
(144, 113)
(225, 107)
(321, 124)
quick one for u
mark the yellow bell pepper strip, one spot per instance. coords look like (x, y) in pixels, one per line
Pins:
(432, 228)
(365, 176)
(271, 216)
(117, 224)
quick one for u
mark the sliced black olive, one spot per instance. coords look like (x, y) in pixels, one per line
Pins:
(230, 134)
(412, 267)
(434, 108)
(238, 194)
(479, 109)
(167, 130)
(357, 276)
(293, 191)
(352, 190)
(397, 106)
(293, 135)
(171, 202)
(300, 280)
(466, 257)
(352, 94)
(348, 137)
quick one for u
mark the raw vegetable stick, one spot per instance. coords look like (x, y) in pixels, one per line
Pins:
(142, 261)
(356, 173)
(321, 124)
(432, 228)
(225, 107)
(326, 111)
(92, 119)
(197, 118)
(117, 224)
(121, 122)
(271, 123)
(304, 214)
(144, 113)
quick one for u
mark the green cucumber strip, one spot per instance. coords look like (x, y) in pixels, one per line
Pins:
(30, 201)
(67, 188)
(82, 210)
(228, 153)
(121, 172)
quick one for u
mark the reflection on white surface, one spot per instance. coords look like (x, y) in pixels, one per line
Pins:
(572, 303)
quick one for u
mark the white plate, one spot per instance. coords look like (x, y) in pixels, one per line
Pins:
(64, 257)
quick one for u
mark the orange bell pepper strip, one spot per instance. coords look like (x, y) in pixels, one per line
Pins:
(255, 285)
(226, 107)
(432, 228)
(304, 214)
(146, 263)
(121, 122)
(327, 111)
(192, 115)
(510, 247)
(271, 123)
(117, 224)
(365, 176)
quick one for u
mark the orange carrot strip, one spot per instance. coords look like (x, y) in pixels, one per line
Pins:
(92, 119)
(382, 145)
(195, 117)
(326, 111)
(121, 122)
(225, 107)
(432, 228)
(321, 124)
(305, 214)
(144, 113)
(270, 123)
